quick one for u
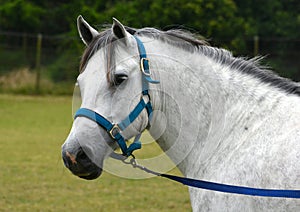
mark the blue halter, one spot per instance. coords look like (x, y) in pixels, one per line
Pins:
(115, 130)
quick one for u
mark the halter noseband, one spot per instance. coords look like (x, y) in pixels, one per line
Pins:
(115, 130)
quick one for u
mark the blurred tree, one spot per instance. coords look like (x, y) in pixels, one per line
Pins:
(20, 16)
(228, 23)
(271, 18)
(211, 18)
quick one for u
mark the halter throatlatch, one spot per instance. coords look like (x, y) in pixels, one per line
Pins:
(115, 130)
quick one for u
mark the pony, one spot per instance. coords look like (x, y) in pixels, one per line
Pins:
(225, 119)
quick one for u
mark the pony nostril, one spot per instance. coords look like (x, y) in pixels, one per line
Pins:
(69, 159)
(73, 160)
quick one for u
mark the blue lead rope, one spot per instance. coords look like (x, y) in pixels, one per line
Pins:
(234, 189)
(225, 188)
(200, 183)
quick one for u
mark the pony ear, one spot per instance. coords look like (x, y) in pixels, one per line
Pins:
(120, 32)
(86, 32)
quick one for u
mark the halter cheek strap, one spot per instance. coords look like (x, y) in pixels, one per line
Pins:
(115, 130)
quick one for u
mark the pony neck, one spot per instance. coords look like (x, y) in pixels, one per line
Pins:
(204, 105)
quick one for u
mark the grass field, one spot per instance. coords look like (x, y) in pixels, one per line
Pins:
(33, 178)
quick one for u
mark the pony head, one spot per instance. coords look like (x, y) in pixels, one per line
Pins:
(110, 84)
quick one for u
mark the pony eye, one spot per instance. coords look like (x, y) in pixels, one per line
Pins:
(119, 78)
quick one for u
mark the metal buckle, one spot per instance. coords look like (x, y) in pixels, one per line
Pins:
(147, 97)
(114, 131)
(143, 68)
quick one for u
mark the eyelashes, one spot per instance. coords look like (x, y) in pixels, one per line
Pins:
(119, 79)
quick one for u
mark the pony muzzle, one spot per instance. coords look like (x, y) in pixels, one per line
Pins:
(80, 164)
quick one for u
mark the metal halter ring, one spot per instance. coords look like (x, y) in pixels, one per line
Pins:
(143, 68)
(114, 131)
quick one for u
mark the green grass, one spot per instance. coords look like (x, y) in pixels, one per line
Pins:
(33, 178)
(23, 81)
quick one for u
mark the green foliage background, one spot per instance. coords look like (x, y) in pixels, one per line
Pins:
(231, 24)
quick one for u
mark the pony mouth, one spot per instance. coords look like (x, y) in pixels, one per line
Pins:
(90, 175)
